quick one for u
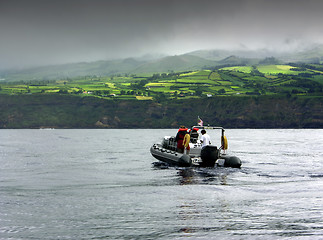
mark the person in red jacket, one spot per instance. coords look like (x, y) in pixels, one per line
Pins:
(180, 137)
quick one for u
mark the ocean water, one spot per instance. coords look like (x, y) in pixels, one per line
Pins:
(102, 184)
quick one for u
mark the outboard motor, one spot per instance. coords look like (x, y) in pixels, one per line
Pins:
(209, 154)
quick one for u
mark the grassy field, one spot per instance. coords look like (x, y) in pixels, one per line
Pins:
(229, 81)
(244, 69)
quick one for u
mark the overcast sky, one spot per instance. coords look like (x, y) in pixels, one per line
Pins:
(40, 32)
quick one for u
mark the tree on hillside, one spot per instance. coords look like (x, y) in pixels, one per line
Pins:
(139, 85)
(221, 91)
(160, 97)
(63, 91)
(256, 72)
(198, 92)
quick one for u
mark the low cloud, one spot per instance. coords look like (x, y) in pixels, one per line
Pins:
(38, 32)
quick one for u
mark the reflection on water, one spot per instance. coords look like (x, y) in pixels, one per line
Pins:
(191, 175)
(187, 176)
(202, 176)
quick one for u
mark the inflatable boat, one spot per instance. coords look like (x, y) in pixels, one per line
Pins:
(198, 155)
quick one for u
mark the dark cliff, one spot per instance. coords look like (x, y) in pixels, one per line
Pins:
(60, 111)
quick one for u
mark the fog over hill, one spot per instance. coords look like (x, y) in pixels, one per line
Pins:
(203, 59)
(302, 54)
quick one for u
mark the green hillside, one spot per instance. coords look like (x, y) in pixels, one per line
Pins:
(234, 91)
(263, 96)
(198, 60)
(174, 64)
(228, 81)
(109, 68)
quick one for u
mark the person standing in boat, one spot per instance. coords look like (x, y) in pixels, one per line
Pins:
(205, 139)
(180, 138)
(186, 143)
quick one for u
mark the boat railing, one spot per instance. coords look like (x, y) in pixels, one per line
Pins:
(209, 127)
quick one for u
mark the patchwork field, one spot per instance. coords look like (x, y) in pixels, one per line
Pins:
(228, 81)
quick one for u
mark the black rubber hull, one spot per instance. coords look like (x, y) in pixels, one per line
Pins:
(231, 161)
(171, 157)
(210, 157)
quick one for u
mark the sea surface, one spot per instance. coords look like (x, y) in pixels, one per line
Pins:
(102, 184)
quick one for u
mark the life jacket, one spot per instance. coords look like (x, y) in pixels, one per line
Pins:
(186, 141)
(182, 129)
(181, 134)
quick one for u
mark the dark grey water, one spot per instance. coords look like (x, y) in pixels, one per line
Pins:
(101, 184)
